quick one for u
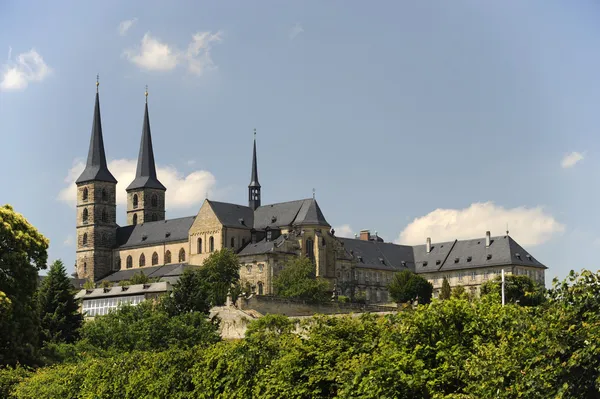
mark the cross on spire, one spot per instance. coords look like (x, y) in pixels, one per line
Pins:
(146, 94)
(97, 81)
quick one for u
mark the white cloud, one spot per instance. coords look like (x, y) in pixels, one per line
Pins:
(529, 226)
(28, 67)
(182, 191)
(571, 159)
(344, 231)
(295, 31)
(68, 241)
(158, 56)
(124, 26)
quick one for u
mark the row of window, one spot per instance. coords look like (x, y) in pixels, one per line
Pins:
(153, 201)
(85, 194)
(260, 268)
(100, 307)
(154, 218)
(103, 240)
(85, 216)
(154, 259)
(211, 244)
(490, 274)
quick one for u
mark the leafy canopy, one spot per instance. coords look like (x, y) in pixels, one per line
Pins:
(298, 280)
(407, 286)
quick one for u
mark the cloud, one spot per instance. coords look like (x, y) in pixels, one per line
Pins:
(571, 159)
(344, 231)
(28, 67)
(68, 241)
(124, 26)
(155, 55)
(529, 226)
(183, 191)
(295, 31)
(191, 162)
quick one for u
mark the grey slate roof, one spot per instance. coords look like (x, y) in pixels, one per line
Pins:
(292, 213)
(162, 272)
(96, 168)
(145, 175)
(379, 255)
(154, 232)
(262, 247)
(136, 289)
(230, 214)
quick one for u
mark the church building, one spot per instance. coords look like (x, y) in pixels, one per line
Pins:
(264, 236)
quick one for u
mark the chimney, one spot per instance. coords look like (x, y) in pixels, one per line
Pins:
(365, 235)
(488, 239)
(428, 244)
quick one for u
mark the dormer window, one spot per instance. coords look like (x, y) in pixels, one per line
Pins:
(269, 235)
(425, 263)
(437, 262)
(528, 256)
(518, 255)
(167, 234)
(273, 219)
(469, 258)
(144, 237)
(360, 258)
(403, 263)
(489, 256)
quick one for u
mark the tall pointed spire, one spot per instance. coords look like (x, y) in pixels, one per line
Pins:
(254, 186)
(145, 176)
(96, 168)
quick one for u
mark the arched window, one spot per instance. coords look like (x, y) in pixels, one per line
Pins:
(232, 242)
(104, 216)
(104, 195)
(85, 215)
(182, 255)
(260, 288)
(85, 194)
(154, 200)
(199, 244)
(154, 259)
(135, 201)
(142, 260)
(135, 218)
(84, 267)
(129, 262)
(168, 257)
(310, 250)
(211, 244)
(84, 240)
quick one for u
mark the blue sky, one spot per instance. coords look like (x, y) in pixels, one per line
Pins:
(414, 119)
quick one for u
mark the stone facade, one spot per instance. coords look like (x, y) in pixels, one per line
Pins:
(145, 205)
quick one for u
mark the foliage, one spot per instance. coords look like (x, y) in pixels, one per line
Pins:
(446, 291)
(517, 289)
(360, 297)
(190, 294)
(23, 252)
(137, 278)
(221, 270)
(105, 284)
(59, 314)
(343, 299)
(89, 284)
(407, 286)
(459, 292)
(10, 377)
(298, 280)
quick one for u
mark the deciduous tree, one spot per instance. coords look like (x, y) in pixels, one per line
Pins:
(407, 286)
(298, 280)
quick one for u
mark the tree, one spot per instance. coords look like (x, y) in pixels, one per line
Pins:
(298, 280)
(190, 294)
(517, 289)
(446, 290)
(23, 252)
(59, 315)
(221, 270)
(407, 286)
(459, 292)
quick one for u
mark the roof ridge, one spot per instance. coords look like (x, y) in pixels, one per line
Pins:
(287, 202)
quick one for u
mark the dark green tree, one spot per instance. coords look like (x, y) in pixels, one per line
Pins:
(459, 292)
(190, 294)
(446, 290)
(517, 289)
(23, 252)
(407, 286)
(298, 280)
(221, 270)
(59, 316)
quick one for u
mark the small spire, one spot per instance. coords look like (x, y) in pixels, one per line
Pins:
(507, 228)
(146, 94)
(313, 193)
(97, 81)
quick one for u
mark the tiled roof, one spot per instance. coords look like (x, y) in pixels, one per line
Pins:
(285, 214)
(262, 247)
(171, 270)
(233, 215)
(162, 231)
(379, 255)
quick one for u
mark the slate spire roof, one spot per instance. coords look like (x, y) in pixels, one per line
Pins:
(254, 178)
(96, 168)
(145, 176)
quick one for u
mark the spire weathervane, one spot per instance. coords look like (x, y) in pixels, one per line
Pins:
(313, 193)
(97, 81)
(146, 94)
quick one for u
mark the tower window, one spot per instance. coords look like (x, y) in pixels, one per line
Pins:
(84, 240)
(232, 242)
(142, 260)
(84, 267)
(168, 257)
(154, 217)
(154, 200)
(104, 195)
(211, 244)
(135, 218)
(154, 259)
(182, 255)
(135, 201)
(310, 254)
(104, 216)
(85, 194)
(129, 262)
(199, 244)
(85, 215)
(260, 288)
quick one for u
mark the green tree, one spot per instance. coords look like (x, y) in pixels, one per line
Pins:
(221, 270)
(23, 252)
(446, 290)
(191, 293)
(459, 292)
(407, 286)
(298, 280)
(517, 289)
(59, 312)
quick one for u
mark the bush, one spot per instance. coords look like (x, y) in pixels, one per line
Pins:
(343, 299)
(10, 377)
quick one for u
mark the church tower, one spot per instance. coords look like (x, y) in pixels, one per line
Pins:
(145, 194)
(254, 186)
(96, 208)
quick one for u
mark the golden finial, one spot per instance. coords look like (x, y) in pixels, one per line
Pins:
(146, 94)
(97, 82)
